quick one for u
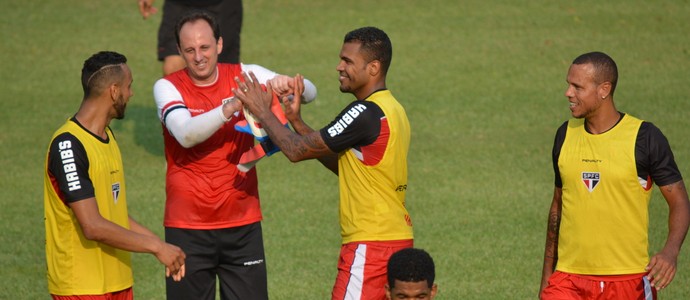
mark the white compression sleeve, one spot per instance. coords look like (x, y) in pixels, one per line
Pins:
(309, 93)
(187, 130)
(263, 75)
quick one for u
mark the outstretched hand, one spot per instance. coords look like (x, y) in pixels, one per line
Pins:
(253, 97)
(292, 102)
(662, 269)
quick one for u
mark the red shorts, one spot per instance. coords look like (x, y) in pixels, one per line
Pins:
(362, 269)
(566, 286)
(126, 294)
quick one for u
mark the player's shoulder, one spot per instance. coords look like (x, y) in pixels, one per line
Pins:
(650, 131)
(362, 107)
(362, 102)
(177, 78)
(64, 136)
(649, 126)
(228, 67)
(563, 127)
(65, 141)
(255, 68)
(163, 83)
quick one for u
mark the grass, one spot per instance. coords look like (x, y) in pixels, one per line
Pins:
(483, 85)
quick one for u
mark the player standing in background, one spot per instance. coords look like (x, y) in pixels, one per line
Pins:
(89, 233)
(366, 146)
(212, 209)
(605, 164)
(228, 13)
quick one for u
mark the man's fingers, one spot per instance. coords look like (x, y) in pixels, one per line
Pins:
(269, 88)
(663, 279)
(146, 9)
(255, 82)
(248, 83)
(660, 274)
(299, 85)
(247, 79)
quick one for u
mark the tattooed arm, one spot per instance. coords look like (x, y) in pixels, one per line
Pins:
(662, 266)
(552, 231)
(312, 138)
(307, 144)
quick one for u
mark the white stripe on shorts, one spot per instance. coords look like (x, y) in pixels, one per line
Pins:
(354, 286)
(647, 289)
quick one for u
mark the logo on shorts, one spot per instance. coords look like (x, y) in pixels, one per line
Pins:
(254, 262)
(590, 179)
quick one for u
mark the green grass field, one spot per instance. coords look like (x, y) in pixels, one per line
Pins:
(483, 84)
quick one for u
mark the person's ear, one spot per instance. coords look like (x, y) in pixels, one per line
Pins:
(219, 45)
(434, 289)
(374, 68)
(114, 90)
(604, 89)
(388, 291)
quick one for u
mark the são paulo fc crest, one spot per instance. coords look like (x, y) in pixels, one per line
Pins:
(116, 191)
(590, 179)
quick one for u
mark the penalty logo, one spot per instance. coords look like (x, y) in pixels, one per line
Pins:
(590, 179)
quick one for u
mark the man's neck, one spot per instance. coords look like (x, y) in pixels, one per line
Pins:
(207, 81)
(92, 120)
(603, 123)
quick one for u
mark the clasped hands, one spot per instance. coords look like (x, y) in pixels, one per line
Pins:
(258, 101)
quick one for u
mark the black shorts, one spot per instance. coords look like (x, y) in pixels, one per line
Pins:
(234, 255)
(229, 16)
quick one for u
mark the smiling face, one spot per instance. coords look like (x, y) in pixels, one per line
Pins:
(353, 70)
(419, 290)
(200, 50)
(585, 95)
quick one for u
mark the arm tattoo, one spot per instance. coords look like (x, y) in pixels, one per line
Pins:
(312, 142)
(552, 235)
(296, 145)
(553, 227)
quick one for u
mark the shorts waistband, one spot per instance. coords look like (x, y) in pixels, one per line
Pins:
(624, 277)
(394, 243)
